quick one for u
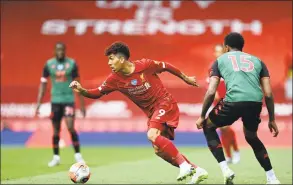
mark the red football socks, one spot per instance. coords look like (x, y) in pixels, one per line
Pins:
(168, 148)
(168, 159)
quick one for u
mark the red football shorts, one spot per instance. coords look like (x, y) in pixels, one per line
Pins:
(165, 118)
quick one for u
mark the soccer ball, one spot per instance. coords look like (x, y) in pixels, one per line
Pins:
(79, 173)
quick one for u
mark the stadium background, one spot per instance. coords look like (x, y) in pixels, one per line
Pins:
(182, 33)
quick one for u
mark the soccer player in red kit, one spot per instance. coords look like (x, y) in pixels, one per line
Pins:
(139, 81)
(228, 136)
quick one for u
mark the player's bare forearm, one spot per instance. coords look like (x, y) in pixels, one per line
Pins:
(207, 102)
(269, 99)
(183, 76)
(90, 93)
(270, 106)
(174, 70)
(180, 75)
(42, 90)
(191, 80)
(210, 95)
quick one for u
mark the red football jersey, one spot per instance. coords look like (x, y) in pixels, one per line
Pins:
(143, 86)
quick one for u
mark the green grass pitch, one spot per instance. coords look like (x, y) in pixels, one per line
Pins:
(133, 165)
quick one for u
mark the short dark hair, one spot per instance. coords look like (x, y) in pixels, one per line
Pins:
(118, 48)
(234, 40)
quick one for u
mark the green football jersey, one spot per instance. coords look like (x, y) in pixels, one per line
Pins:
(61, 73)
(242, 73)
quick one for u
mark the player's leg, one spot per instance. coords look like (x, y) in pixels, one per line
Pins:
(161, 154)
(164, 156)
(169, 151)
(168, 132)
(261, 155)
(223, 114)
(164, 146)
(56, 116)
(200, 173)
(234, 144)
(251, 120)
(228, 139)
(159, 136)
(69, 119)
(226, 142)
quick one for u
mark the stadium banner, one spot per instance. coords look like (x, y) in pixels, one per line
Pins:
(160, 30)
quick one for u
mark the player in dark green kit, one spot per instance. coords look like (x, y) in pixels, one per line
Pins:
(247, 79)
(62, 70)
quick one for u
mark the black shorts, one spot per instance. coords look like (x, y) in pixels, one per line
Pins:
(226, 113)
(58, 110)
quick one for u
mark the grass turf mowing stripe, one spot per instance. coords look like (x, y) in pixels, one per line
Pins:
(153, 170)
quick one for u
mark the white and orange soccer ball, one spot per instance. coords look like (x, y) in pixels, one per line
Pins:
(79, 173)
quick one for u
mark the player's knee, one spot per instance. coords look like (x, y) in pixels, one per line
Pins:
(249, 135)
(152, 134)
(251, 138)
(156, 149)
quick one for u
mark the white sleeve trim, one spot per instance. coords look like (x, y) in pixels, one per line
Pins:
(164, 65)
(44, 80)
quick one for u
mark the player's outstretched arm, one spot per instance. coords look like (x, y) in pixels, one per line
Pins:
(210, 95)
(269, 99)
(191, 80)
(89, 93)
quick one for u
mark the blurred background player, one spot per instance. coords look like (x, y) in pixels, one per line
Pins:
(139, 81)
(62, 70)
(245, 76)
(228, 136)
(288, 76)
